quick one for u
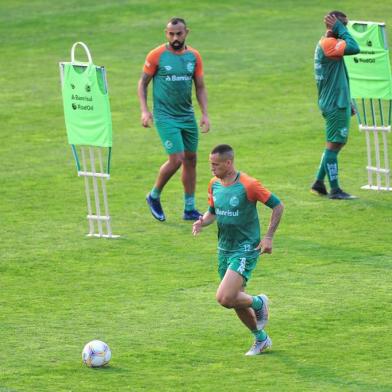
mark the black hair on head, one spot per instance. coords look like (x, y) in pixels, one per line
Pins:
(176, 20)
(340, 15)
(225, 150)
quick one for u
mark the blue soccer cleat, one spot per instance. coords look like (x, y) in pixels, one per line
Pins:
(192, 215)
(155, 208)
(338, 194)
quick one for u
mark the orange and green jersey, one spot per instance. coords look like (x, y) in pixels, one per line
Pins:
(173, 73)
(235, 209)
(330, 70)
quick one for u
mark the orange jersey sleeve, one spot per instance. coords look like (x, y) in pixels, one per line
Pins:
(333, 48)
(210, 197)
(254, 189)
(152, 60)
(199, 63)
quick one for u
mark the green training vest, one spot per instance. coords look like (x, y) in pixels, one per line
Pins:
(369, 71)
(86, 107)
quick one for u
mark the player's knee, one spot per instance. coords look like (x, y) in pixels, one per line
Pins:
(224, 300)
(176, 160)
(190, 160)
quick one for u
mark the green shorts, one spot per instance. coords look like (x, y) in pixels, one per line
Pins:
(178, 136)
(337, 124)
(241, 263)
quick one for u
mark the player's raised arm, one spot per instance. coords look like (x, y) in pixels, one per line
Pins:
(343, 43)
(341, 31)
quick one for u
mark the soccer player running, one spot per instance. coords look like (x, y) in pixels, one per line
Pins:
(334, 99)
(173, 67)
(233, 196)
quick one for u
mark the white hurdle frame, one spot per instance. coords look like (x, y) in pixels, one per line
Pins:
(94, 215)
(378, 169)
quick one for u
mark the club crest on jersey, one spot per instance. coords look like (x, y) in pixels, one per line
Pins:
(234, 201)
(190, 67)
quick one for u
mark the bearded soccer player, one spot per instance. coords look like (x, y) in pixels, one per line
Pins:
(333, 99)
(233, 196)
(174, 67)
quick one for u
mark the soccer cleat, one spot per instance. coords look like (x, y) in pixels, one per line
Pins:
(319, 189)
(155, 208)
(338, 194)
(259, 346)
(192, 215)
(262, 314)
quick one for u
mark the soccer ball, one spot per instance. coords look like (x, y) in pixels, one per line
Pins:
(96, 354)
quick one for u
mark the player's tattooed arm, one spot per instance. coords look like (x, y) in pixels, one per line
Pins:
(277, 212)
(265, 245)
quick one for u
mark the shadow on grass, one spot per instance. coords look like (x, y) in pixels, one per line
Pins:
(107, 369)
(314, 372)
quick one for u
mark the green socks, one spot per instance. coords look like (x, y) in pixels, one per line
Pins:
(321, 171)
(329, 167)
(259, 335)
(189, 200)
(257, 303)
(155, 193)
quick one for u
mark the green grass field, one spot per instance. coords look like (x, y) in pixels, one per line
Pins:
(151, 294)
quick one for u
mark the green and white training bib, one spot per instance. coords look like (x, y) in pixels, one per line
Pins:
(86, 106)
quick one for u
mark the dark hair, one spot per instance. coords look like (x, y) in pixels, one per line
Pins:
(176, 20)
(340, 15)
(225, 150)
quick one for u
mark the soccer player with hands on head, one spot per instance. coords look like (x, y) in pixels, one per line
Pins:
(232, 198)
(333, 99)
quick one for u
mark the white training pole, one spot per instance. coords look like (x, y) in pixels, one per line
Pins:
(386, 160)
(378, 164)
(87, 189)
(376, 145)
(369, 158)
(96, 194)
(105, 200)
